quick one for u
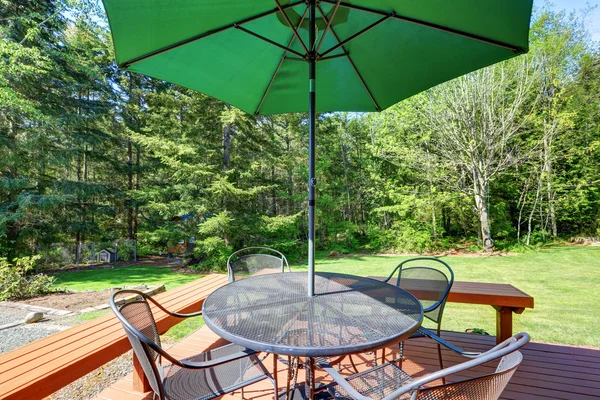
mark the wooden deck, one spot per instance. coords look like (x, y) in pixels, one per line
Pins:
(547, 372)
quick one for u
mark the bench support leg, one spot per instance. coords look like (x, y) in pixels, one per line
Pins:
(140, 382)
(503, 323)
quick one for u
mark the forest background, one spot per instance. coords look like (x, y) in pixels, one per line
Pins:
(90, 154)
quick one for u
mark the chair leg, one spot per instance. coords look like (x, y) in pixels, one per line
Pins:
(439, 346)
(353, 365)
(289, 377)
(401, 355)
(275, 388)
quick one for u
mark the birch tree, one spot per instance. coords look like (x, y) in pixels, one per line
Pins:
(476, 122)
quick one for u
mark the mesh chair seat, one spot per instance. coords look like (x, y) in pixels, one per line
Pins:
(204, 384)
(376, 383)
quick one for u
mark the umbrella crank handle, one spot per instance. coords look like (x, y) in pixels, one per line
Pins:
(313, 182)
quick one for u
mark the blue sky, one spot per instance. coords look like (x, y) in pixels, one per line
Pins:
(593, 19)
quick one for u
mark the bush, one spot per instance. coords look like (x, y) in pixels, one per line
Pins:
(15, 283)
(213, 253)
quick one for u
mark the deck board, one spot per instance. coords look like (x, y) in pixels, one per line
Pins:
(548, 371)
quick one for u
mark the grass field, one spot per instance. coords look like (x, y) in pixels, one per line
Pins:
(565, 282)
(104, 278)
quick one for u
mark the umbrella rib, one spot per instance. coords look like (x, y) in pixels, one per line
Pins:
(337, 6)
(256, 35)
(347, 55)
(283, 58)
(203, 35)
(357, 34)
(457, 32)
(344, 54)
(287, 19)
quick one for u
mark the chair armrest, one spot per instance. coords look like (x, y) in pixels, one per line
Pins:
(339, 379)
(436, 338)
(221, 360)
(179, 315)
(172, 313)
(521, 338)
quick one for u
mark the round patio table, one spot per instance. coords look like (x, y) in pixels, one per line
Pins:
(348, 314)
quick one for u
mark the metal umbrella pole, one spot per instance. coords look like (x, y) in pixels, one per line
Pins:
(312, 180)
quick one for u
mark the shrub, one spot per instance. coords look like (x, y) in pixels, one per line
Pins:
(213, 253)
(15, 283)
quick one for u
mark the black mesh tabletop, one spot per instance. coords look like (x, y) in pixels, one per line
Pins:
(348, 314)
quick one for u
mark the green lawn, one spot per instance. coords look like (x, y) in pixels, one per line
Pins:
(104, 278)
(565, 282)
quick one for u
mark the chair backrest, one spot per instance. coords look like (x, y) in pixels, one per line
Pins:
(484, 387)
(133, 311)
(252, 260)
(430, 280)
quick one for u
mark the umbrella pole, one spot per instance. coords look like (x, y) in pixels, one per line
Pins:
(312, 181)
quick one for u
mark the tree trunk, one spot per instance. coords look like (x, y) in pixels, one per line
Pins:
(137, 188)
(480, 188)
(549, 189)
(530, 221)
(348, 213)
(290, 180)
(130, 189)
(273, 192)
(226, 144)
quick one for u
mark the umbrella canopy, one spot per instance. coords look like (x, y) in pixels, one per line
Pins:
(264, 56)
(392, 49)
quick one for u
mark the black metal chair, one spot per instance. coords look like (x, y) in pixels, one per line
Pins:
(250, 261)
(201, 377)
(389, 382)
(430, 280)
(253, 260)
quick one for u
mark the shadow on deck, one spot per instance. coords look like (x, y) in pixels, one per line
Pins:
(547, 372)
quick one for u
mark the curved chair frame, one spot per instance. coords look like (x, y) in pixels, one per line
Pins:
(285, 266)
(439, 305)
(148, 346)
(415, 388)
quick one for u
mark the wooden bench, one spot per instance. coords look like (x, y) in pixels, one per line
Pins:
(506, 300)
(40, 368)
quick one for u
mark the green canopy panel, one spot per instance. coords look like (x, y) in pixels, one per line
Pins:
(246, 54)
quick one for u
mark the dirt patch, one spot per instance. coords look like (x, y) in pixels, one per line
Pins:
(70, 301)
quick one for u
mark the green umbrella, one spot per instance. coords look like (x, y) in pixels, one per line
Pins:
(264, 56)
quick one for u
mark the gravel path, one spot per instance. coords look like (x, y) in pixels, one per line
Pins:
(12, 337)
(9, 315)
(18, 336)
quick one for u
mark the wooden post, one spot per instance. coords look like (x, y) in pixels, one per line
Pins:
(140, 382)
(503, 323)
